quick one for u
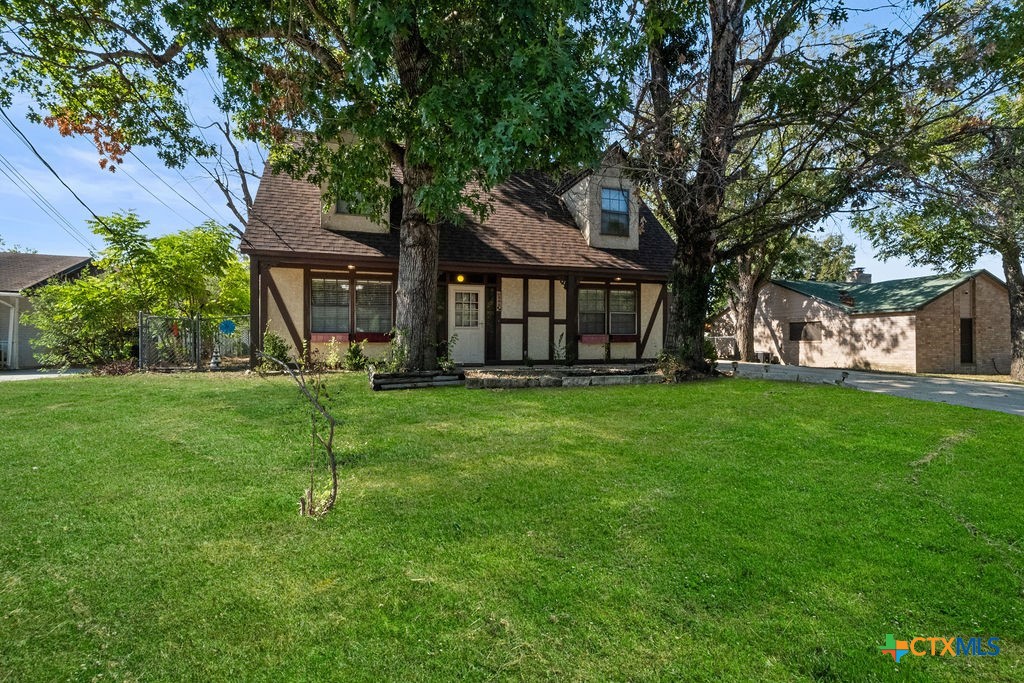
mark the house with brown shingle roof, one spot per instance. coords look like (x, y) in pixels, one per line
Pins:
(576, 269)
(18, 274)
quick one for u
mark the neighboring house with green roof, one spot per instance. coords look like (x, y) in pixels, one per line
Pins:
(942, 323)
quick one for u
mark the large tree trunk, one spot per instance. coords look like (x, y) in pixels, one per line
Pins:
(691, 289)
(416, 298)
(747, 287)
(1014, 273)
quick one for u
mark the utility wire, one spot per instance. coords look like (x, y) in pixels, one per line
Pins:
(28, 189)
(28, 143)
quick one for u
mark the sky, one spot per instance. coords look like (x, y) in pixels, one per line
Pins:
(172, 199)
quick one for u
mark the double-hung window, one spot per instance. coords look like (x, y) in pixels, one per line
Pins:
(607, 311)
(614, 212)
(373, 306)
(330, 305)
(592, 312)
(622, 311)
(348, 305)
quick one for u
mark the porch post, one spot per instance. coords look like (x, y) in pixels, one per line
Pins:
(12, 327)
(255, 324)
(12, 344)
(572, 342)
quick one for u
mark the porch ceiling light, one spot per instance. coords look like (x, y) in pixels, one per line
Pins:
(460, 278)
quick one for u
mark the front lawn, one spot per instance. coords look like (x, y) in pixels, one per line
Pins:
(734, 529)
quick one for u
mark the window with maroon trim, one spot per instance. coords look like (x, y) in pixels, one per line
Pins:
(607, 310)
(350, 305)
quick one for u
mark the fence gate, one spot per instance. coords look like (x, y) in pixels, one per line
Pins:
(168, 343)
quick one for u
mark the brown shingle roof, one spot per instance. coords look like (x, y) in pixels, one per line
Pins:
(21, 271)
(528, 227)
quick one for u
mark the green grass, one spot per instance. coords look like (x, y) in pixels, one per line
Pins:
(728, 530)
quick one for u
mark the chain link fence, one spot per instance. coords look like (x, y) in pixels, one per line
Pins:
(169, 343)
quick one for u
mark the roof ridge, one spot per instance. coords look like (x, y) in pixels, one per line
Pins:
(901, 294)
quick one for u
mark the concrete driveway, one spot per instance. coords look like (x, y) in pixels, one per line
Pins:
(19, 375)
(1004, 398)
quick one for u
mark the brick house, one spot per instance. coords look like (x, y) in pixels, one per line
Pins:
(943, 323)
(19, 273)
(575, 269)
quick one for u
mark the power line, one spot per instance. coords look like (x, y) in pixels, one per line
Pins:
(28, 143)
(151, 193)
(174, 189)
(30, 191)
(231, 195)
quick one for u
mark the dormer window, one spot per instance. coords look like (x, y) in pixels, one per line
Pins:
(341, 207)
(614, 212)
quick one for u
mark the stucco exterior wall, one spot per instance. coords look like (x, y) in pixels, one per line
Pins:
(539, 328)
(291, 285)
(611, 177)
(511, 308)
(559, 301)
(591, 351)
(875, 342)
(537, 333)
(649, 295)
(575, 199)
(540, 296)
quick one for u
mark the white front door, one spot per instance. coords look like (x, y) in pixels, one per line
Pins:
(466, 320)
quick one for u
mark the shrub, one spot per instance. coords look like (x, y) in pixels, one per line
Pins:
(276, 347)
(355, 356)
(397, 358)
(333, 360)
(446, 361)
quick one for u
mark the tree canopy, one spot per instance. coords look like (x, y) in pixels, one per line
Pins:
(445, 95)
(755, 119)
(94, 318)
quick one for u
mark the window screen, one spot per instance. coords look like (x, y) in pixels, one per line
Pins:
(622, 313)
(373, 306)
(591, 313)
(329, 309)
(614, 212)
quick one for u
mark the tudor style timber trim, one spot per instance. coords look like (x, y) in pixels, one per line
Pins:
(255, 319)
(285, 312)
(641, 345)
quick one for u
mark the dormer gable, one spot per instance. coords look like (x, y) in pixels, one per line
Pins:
(604, 204)
(339, 216)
